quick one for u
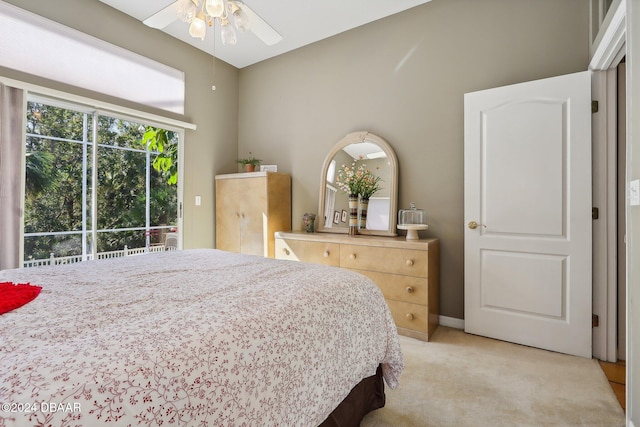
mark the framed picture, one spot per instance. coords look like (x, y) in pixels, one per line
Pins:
(336, 217)
(344, 216)
(268, 168)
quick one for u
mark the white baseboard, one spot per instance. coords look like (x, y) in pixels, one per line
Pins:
(451, 322)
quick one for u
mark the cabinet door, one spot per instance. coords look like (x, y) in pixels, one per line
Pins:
(227, 215)
(240, 215)
(251, 204)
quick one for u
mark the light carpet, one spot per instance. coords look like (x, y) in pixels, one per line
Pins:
(458, 379)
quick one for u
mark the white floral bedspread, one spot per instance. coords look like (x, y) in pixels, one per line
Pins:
(191, 338)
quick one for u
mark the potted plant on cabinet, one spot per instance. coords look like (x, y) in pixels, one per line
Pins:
(250, 163)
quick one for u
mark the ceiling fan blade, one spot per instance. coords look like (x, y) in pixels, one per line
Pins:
(259, 27)
(164, 17)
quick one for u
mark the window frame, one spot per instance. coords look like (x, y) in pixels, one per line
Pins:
(97, 108)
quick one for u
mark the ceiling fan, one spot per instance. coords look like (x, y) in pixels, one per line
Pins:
(202, 13)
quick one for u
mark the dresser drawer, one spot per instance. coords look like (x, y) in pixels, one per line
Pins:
(400, 288)
(385, 260)
(315, 252)
(413, 317)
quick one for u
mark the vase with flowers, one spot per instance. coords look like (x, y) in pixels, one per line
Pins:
(369, 185)
(348, 180)
(360, 184)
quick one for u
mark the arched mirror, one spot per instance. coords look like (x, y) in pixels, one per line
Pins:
(364, 151)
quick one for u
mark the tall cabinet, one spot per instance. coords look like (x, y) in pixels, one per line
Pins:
(250, 208)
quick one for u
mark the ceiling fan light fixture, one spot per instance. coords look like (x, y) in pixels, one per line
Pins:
(187, 10)
(240, 18)
(200, 13)
(198, 26)
(214, 8)
(227, 34)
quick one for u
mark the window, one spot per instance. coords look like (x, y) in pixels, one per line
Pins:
(132, 205)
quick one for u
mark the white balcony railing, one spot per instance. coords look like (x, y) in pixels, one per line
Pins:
(53, 260)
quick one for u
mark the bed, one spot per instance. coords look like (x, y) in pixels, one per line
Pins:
(195, 338)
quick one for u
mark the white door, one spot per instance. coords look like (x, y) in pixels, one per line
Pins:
(527, 162)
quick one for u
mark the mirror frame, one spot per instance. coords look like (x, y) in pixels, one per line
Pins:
(354, 138)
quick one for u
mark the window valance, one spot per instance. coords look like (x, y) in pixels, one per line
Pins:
(32, 44)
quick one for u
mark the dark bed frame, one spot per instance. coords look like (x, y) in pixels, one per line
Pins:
(368, 395)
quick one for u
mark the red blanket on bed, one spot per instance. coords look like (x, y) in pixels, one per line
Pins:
(14, 295)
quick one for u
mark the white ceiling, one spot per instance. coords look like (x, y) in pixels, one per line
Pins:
(300, 22)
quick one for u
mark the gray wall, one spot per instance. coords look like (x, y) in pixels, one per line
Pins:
(403, 78)
(212, 148)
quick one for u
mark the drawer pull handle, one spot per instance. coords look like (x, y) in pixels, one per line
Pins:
(326, 254)
(409, 262)
(409, 316)
(352, 257)
(286, 251)
(410, 289)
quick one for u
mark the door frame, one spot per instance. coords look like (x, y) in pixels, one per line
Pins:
(608, 49)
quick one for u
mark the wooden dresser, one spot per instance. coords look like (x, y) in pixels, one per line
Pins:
(250, 208)
(405, 271)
